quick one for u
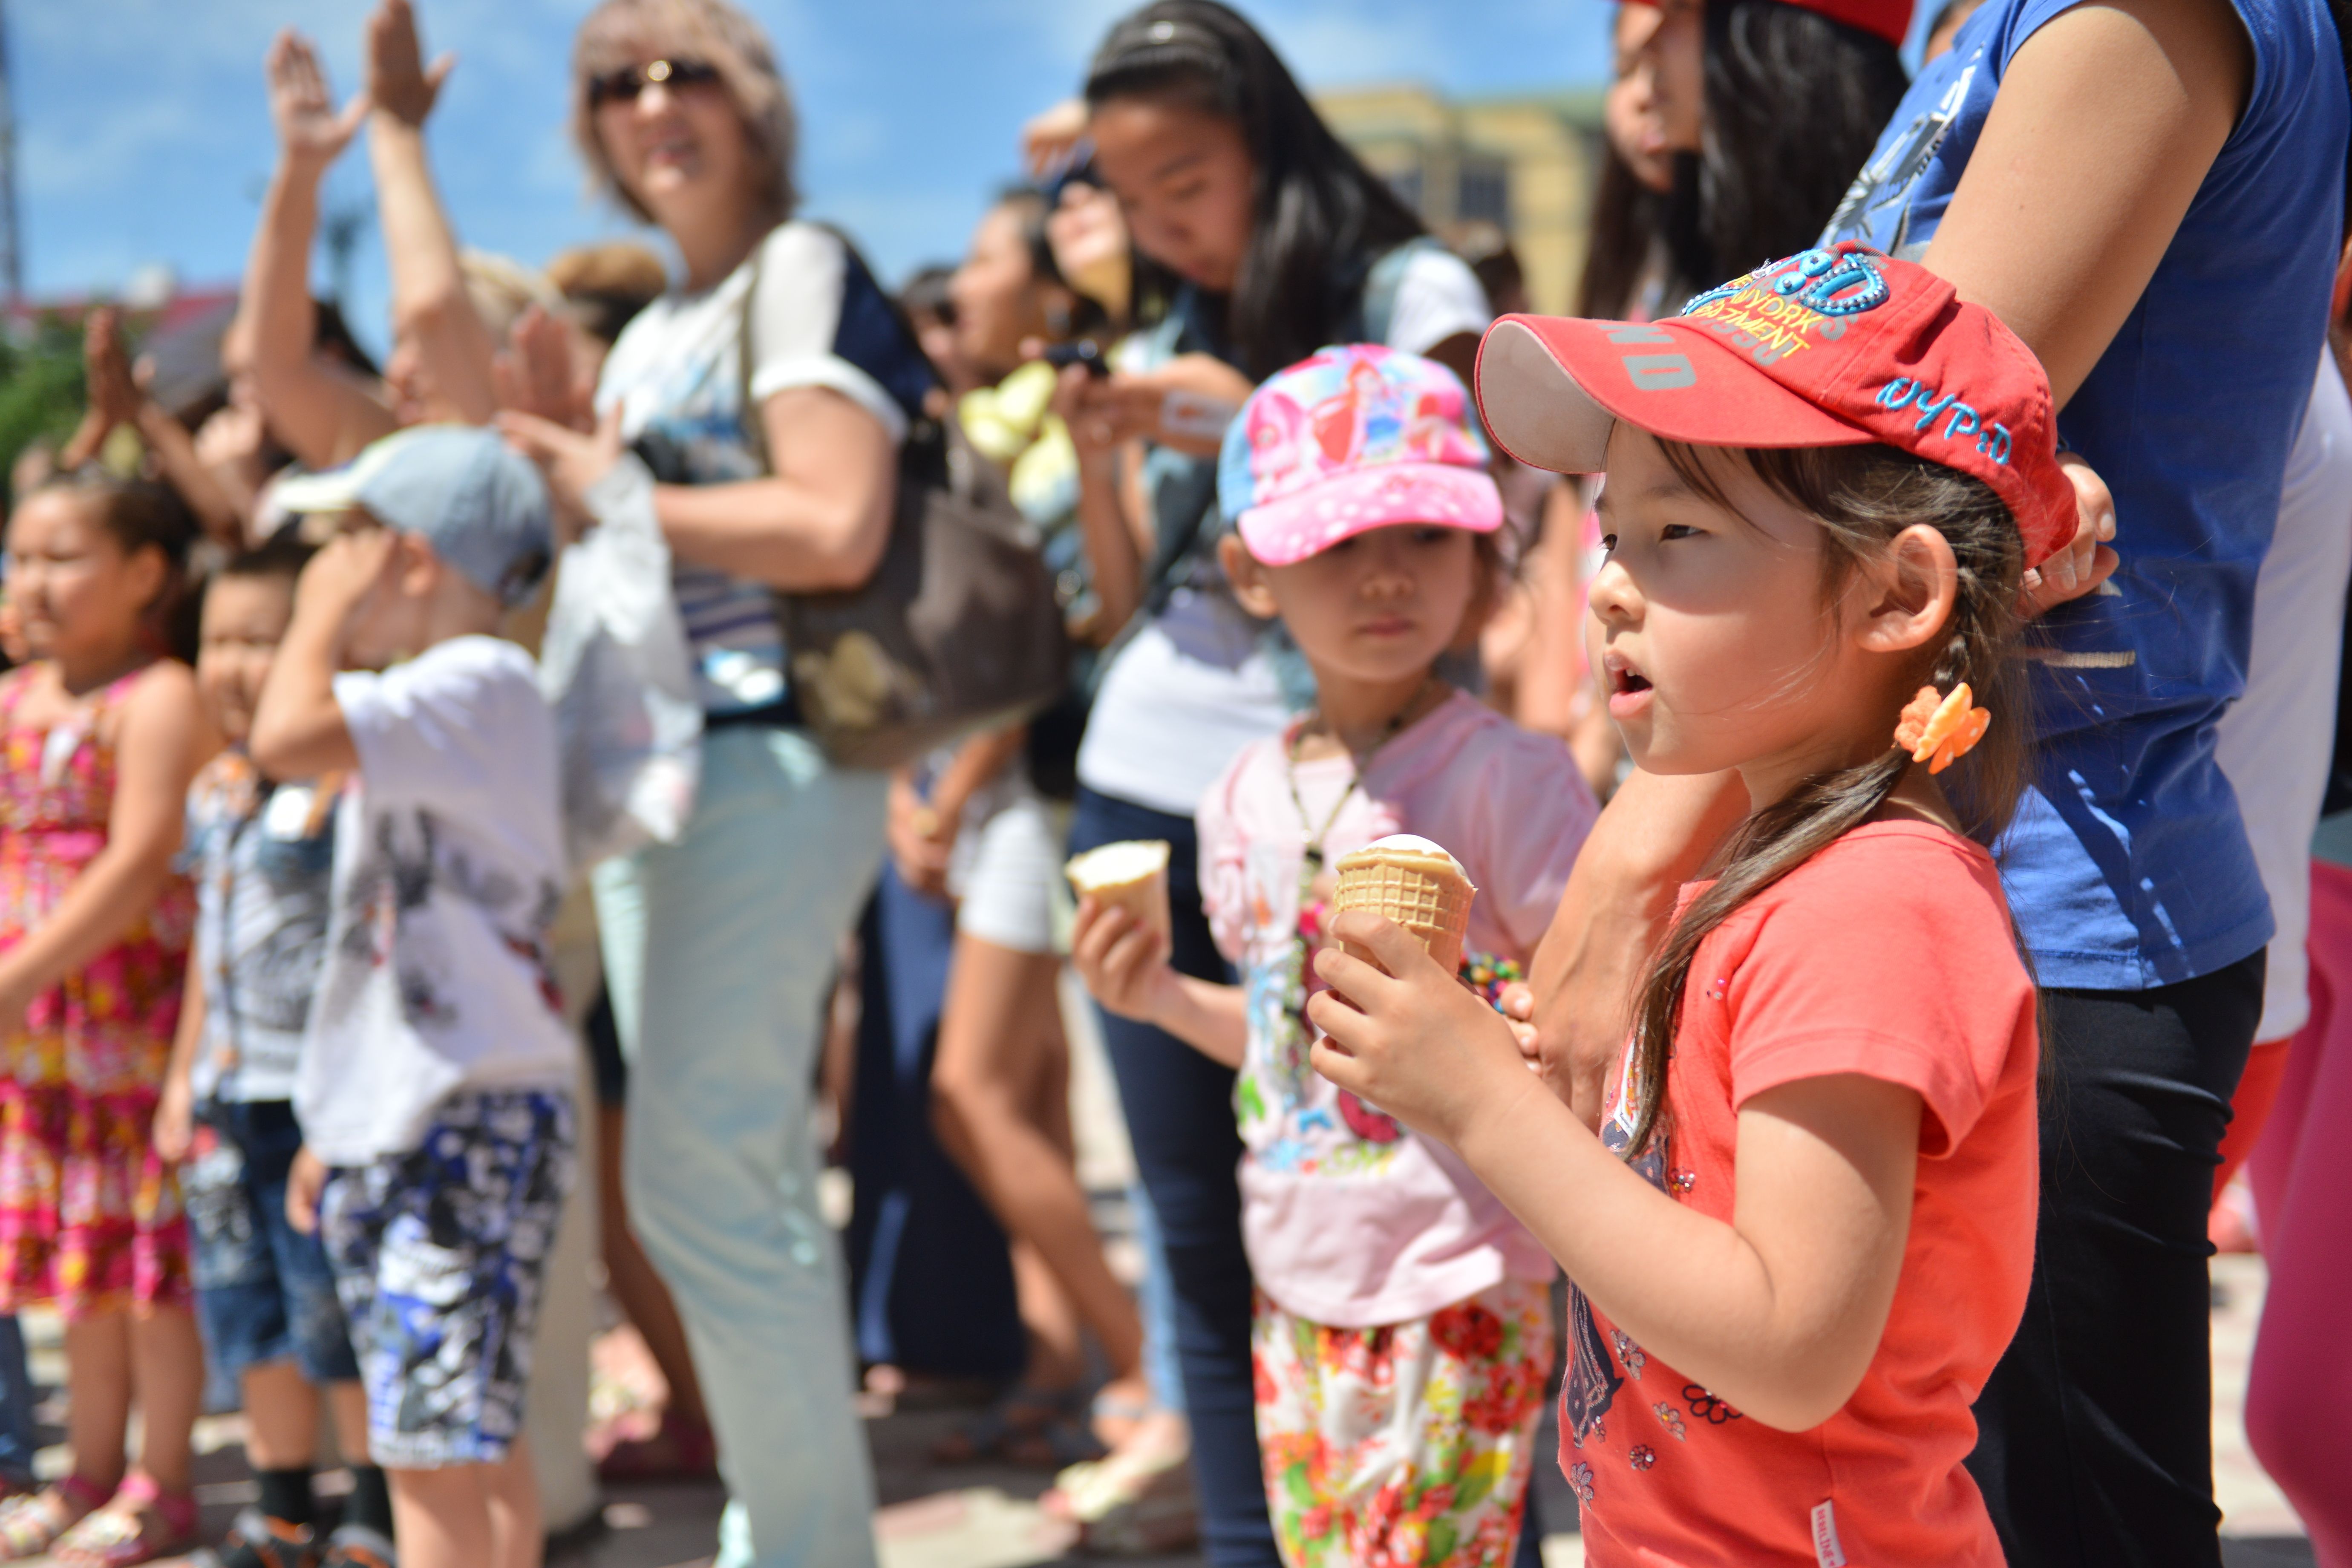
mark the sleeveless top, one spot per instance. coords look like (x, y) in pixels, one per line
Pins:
(105, 1029)
(2128, 866)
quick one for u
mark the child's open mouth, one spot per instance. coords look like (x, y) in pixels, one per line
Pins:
(1629, 689)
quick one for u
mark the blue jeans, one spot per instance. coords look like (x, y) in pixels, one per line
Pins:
(720, 952)
(263, 1291)
(1180, 1118)
(930, 1274)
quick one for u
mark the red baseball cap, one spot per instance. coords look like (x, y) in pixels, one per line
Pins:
(1889, 20)
(1828, 348)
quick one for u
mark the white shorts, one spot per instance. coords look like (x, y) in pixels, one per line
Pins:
(1005, 866)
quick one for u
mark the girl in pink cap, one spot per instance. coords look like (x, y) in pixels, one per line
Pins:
(1401, 1335)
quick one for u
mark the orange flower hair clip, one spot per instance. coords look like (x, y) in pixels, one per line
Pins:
(1943, 728)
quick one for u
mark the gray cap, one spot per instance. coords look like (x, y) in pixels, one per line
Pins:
(479, 501)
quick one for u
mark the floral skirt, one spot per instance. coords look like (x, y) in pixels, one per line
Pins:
(90, 1217)
(1409, 1442)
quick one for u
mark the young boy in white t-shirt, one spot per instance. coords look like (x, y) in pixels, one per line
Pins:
(434, 1087)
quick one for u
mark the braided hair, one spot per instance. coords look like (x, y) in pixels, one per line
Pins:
(1862, 497)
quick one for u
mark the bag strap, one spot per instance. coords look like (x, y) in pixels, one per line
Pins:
(755, 433)
(923, 453)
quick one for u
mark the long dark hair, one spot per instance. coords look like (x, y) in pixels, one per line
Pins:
(1322, 218)
(1863, 497)
(1624, 237)
(1795, 104)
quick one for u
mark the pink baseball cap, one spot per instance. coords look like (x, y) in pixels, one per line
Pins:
(1828, 348)
(1354, 438)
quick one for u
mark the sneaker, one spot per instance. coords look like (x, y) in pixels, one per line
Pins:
(257, 1540)
(357, 1546)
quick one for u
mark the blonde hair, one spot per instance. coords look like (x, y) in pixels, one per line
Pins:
(623, 33)
(622, 267)
(502, 289)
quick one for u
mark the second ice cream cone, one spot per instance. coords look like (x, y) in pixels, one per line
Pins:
(1131, 875)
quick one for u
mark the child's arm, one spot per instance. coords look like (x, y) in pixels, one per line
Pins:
(162, 740)
(297, 727)
(1125, 967)
(1778, 1312)
(304, 1179)
(176, 1110)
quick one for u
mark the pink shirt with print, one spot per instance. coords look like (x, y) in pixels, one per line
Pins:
(1350, 1220)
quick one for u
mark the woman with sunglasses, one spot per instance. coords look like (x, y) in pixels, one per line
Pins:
(778, 474)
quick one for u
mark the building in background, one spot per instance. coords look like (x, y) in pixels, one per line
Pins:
(1486, 170)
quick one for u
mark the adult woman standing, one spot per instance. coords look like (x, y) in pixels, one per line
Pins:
(985, 838)
(719, 947)
(1260, 239)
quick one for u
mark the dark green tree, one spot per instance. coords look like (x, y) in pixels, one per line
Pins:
(41, 390)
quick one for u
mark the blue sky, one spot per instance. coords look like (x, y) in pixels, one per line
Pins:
(143, 135)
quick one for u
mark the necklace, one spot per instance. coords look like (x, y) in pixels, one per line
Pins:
(1310, 867)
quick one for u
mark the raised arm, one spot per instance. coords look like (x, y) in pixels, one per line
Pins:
(299, 731)
(163, 739)
(323, 412)
(430, 307)
(2107, 119)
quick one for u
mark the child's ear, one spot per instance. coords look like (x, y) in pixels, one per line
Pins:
(1247, 577)
(149, 570)
(1907, 594)
(416, 565)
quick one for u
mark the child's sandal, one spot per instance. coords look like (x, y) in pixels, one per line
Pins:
(30, 1523)
(140, 1524)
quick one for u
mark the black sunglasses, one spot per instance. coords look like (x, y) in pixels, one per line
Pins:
(624, 85)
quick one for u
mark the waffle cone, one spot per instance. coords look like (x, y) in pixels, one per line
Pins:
(1130, 877)
(1422, 893)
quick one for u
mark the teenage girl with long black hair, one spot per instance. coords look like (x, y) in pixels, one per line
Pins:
(1259, 239)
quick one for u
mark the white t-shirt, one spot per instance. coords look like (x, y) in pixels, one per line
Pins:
(2274, 742)
(676, 372)
(449, 869)
(1190, 690)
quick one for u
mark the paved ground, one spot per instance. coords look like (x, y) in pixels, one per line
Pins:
(986, 1516)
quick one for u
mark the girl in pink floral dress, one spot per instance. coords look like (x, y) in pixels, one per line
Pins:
(98, 738)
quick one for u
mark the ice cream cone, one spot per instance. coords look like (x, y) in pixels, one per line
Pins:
(1414, 883)
(1131, 875)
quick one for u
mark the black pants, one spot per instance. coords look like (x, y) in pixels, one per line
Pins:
(1180, 1118)
(2094, 1443)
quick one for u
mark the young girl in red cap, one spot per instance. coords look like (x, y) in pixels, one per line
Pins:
(1802, 1235)
(1401, 1332)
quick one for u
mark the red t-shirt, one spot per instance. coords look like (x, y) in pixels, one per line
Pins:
(1889, 955)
